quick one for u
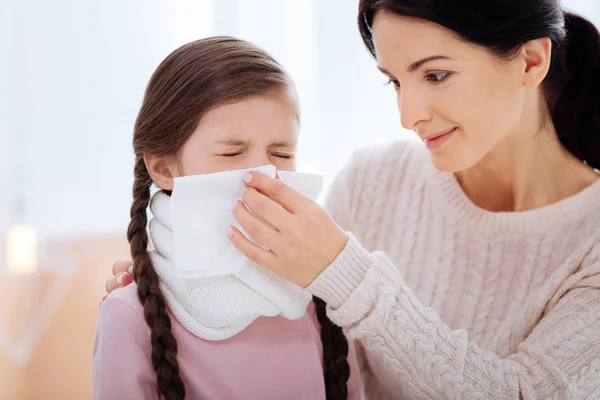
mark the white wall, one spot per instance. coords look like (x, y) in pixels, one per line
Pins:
(76, 73)
(588, 8)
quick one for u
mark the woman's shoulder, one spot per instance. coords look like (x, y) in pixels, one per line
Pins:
(382, 164)
(375, 175)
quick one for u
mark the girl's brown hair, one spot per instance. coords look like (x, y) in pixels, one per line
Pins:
(190, 81)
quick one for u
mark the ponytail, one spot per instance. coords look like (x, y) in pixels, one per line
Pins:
(575, 108)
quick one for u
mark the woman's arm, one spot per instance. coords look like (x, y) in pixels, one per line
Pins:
(560, 359)
(419, 355)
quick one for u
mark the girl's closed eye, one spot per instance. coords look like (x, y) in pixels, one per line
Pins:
(282, 155)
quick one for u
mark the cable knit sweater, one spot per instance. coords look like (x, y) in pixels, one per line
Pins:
(450, 301)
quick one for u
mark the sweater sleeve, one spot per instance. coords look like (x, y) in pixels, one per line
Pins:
(560, 358)
(418, 356)
(122, 368)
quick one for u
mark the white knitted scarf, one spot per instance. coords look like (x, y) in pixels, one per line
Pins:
(217, 308)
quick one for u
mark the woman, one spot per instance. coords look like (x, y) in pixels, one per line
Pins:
(471, 266)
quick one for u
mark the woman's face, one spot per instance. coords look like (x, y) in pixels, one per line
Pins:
(461, 100)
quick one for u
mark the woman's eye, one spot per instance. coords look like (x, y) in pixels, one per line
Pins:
(437, 77)
(284, 156)
(395, 82)
(231, 154)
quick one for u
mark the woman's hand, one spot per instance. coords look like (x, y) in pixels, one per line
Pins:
(122, 276)
(303, 239)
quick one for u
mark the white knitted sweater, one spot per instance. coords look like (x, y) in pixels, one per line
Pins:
(450, 301)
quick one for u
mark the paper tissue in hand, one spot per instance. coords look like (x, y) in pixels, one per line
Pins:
(201, 211)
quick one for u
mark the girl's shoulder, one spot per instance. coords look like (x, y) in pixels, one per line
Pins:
(125, 299)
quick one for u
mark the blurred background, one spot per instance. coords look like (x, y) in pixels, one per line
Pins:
(72, 76)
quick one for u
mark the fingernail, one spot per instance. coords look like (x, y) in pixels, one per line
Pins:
(229, 231)
(247, 177)
(130, 269)
(120, 278)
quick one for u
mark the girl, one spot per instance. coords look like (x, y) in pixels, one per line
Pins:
(213, 105)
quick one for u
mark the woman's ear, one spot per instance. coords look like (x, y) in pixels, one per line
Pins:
(161, 170)
(537, 55)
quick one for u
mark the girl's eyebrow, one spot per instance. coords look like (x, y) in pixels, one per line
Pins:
(283, 144)
(247, 143)
(234, 142)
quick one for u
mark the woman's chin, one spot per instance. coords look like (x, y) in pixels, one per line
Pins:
(449, 161)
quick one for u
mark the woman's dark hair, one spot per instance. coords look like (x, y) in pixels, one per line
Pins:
(572, 86)
(192, 80)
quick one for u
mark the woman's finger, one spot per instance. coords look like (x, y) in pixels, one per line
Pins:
(275, 189)
(255, 253)
(257, 229)
(120, 280)
(122, 266)
(266, 209)
(111, 284)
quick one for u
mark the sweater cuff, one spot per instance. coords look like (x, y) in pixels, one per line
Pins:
(335, 285)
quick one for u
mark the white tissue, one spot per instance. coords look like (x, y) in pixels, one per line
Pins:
(202, 209)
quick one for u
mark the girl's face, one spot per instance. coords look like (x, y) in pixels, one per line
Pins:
(249, 133)
(460, 99)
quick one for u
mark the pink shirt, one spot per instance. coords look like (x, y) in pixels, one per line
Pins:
(273, 358)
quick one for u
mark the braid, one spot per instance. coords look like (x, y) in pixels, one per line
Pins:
(164, 346)
(335, 355)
